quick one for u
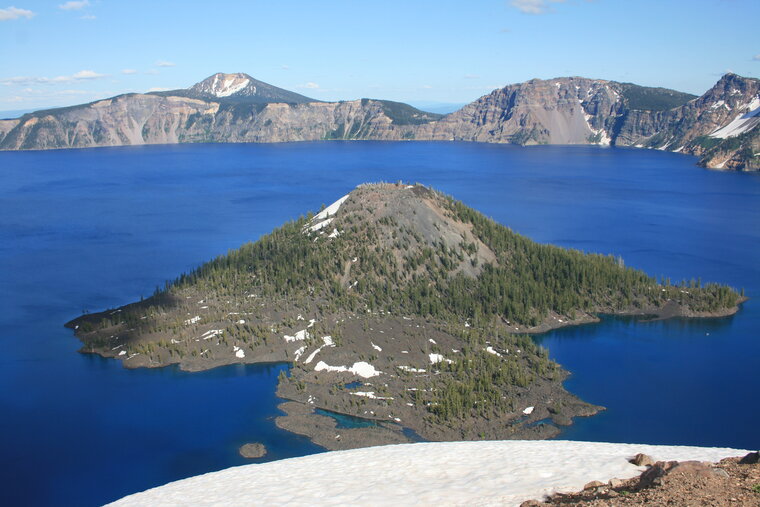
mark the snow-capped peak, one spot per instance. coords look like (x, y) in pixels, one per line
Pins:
(224, 85)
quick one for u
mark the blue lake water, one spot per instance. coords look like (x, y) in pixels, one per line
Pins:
(90, 229)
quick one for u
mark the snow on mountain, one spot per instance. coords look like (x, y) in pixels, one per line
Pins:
(224, 85)
(746, 120)
(230, 85)
(435, 473)
(241, 88)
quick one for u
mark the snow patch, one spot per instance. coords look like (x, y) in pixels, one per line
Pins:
(410, 369)
(437, 358)
(211, 333)
(195, 319)
(320, 225)
(376, 347)
(360, 369)
(719, 104)
(528, 410)
(311, 356)
(503, 473)
(230, 85)
(299, 336)
(239, 353)
(742, 122)
(491, 350)
(371, 394)
(330, 210)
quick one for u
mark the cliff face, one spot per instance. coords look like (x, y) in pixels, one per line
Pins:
(558, 111)
(726, 116)
(123, 120)
(720, 126)
(150, 119)
(276, 122)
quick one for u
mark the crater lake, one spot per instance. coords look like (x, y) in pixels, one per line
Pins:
(86, 230)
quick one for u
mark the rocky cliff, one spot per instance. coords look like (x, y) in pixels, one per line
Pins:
(720, 126)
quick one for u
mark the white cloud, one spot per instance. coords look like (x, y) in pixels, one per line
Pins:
(129, 71)
(756, 58)
(471, 76)
(29, 80)
(87, 74)
(309, 85)
(88, 17)
(284, 67)
(158, 89)
(15, 13)
(74, 5)
(164, 63)
(533, 6)
(46, 98)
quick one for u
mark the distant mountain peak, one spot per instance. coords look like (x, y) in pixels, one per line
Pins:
(242, 87)
(224, 85)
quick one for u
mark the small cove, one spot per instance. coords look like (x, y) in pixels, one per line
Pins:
(348, 421)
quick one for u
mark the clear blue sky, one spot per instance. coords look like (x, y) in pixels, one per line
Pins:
(55, 53)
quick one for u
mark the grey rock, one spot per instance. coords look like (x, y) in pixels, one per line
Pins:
(653, 475)
(641, 460)
(616, 483)
(720, 472)
(254, 450)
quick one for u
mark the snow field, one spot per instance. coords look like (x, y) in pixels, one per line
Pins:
(482, 473)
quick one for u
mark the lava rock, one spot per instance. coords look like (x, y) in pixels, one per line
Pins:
(251, 451)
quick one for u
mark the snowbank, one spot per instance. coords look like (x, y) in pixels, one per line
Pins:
(362, 369)
(330, 210)
(440, 473)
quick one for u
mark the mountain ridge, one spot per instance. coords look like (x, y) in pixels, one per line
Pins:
(238, 87)
(719, 126)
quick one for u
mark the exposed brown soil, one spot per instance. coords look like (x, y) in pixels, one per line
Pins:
(731, 482)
